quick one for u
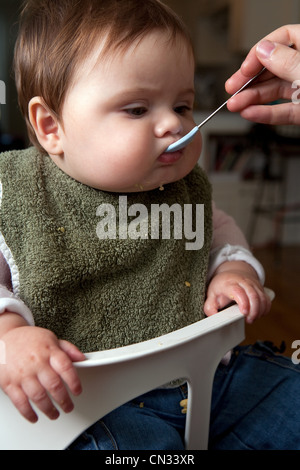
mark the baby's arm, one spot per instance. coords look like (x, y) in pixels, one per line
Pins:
(234, 273)
(37, 364)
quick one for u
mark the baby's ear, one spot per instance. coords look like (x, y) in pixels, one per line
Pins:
(45, 125)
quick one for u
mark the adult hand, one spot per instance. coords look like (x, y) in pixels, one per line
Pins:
(280, 81)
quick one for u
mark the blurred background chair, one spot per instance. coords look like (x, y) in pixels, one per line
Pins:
(279, 144)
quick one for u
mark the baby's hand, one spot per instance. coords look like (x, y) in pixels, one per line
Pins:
(38, 367)
(236, 281)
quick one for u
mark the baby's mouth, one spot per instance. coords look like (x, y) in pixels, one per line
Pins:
(169, 158)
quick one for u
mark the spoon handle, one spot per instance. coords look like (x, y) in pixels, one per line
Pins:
(185, 140)
(224, 104)
(236, 93)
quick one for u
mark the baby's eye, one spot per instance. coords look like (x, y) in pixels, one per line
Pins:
(182, 109)
(137, 111)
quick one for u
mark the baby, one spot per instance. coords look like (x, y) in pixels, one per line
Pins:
(105, 87)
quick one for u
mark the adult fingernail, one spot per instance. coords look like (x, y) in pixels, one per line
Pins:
(265, 49)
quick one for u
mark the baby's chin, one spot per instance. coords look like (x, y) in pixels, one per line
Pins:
(177, 173)
(148, 186)
(157, 179)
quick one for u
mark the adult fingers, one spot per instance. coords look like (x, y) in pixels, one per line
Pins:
(265, 54)
(261, 93)
(282, 61)
(285, 113)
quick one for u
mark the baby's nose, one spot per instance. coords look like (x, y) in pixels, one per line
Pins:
(168, 123)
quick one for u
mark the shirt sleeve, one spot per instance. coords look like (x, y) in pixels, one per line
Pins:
(8, 301)
(230, 244)
(226, 231)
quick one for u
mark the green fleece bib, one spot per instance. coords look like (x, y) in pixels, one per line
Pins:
(78, 270)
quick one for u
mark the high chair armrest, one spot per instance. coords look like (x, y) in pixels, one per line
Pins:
(165, 342)
(111, 378)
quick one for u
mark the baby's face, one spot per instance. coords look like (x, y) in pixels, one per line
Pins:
(121, 114)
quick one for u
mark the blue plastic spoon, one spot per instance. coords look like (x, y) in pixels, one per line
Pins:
(185, 140)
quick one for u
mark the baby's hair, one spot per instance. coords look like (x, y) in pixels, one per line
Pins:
(55, 36)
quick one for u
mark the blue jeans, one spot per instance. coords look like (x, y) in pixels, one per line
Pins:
(256, 402)
(255, 405)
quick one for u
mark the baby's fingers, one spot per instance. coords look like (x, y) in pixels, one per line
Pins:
(37, 394)
(252, 301)
(57, 391)
(237, 293)
(260, 304)
(31, 393)
(62, 364)
(214, 303)
(210, 306)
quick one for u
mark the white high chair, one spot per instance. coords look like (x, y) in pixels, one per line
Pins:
(111, 378)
